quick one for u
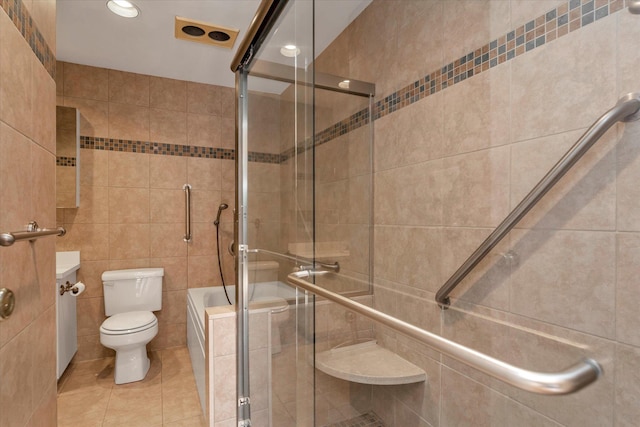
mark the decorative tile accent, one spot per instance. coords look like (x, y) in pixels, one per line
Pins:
(65, 161)
(21, 18)
(370, 419)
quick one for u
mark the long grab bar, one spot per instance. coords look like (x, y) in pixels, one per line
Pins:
(187, 212)
(626, 110)
(334, 266)
(567, 381)
(33, 232)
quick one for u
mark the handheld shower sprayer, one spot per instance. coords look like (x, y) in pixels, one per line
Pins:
(222, 207)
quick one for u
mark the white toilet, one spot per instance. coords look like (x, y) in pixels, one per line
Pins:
(130, 296)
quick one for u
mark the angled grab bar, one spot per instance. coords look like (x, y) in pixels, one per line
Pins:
(567, 381)
(33, 232)
(626, 110)
(187, 212)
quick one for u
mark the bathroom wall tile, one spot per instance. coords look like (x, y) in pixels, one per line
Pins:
(264, 207)
(128, 241)
(15, 150)
(410, 195)
(572, 266)
(224, 337)
(43, 173)
(129, 263)
(470, 24)
(173, 307)
(128, 205)
(15, 73)
(167, 240)
(91, 275)
(43, 13)
(90, 315)
(584, 199)
(224, 386)
(43, 102)
(331, 161)
(203, 130)
(384, 403)
(523, 11)
(59, 79)
(578, 63)
(227, 102)
(43, 258)
(89, 348)
(94, 170)
(43, 346)
(263, 177)
(128, 170)
(260, 361)
(128, 88)
(94, 205)
(166, 206)
(204, 206)
(628, 250)
(82, 81)
(16, 389)
(203, 271)
(203, 98)
(175, 271)
(203, 174)
(627, 61)
(168, 94)
(228, 135)
(94, 116)
(488, 282)
(170, 335)
(203, 239)
(167, 127)
(128, 122)
(476, 192)
(627, 190)
(92, 240)
(476, 112)
(167, 172)
(627, 367)
(410, 138)
(45, 413)
(228, 175)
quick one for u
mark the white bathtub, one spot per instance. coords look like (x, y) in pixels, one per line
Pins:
(200, 298)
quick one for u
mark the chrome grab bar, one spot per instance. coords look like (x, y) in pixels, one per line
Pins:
(33, 232)
(626, 110)
(187, 212)
(334, 266)
(567, 381)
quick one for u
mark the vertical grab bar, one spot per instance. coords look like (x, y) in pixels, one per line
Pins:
(187, 212)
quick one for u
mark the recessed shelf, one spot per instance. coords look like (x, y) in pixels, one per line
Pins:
(368, 363)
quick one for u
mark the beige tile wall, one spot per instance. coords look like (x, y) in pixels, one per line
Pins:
(449, 168)
(27, 182)
(132, 204)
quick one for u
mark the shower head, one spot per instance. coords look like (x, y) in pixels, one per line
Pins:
(222, 207)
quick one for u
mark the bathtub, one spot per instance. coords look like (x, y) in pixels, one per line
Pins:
(200, 298)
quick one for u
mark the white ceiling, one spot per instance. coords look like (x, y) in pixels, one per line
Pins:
(87, 33)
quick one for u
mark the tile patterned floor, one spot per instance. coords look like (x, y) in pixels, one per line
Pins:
(370, 419)
(88, 397)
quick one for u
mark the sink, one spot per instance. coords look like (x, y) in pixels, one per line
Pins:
(67, 263)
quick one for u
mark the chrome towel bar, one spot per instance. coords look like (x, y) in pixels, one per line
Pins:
(33, 232)
(626, 109)
(567, 381)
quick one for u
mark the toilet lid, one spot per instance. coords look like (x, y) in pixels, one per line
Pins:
(133, 321)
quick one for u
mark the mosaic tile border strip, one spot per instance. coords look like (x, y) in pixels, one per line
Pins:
(149, 147)
(550, 26)
(23, 21)
(65, 161)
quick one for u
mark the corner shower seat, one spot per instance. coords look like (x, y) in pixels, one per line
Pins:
(368, 363)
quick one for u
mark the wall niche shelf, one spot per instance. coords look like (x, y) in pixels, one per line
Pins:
(368, 363)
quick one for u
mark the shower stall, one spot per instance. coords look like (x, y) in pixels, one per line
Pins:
(473, 262)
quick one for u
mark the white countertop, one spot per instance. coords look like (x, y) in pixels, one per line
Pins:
(67, 263)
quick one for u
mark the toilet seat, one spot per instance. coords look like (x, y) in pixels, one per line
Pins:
(279, 304)
(128, 323)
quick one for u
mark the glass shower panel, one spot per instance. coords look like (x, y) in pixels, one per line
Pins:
(279, 220)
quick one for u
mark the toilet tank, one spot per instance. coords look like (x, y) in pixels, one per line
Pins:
(132, 290)
(263, 271)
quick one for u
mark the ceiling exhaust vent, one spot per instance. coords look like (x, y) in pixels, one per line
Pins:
(201, 32)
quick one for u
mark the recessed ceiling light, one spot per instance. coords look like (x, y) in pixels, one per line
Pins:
(344, 84)
(123, 8)
(290, 50)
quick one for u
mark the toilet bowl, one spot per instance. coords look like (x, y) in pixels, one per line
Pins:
(130, 296)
